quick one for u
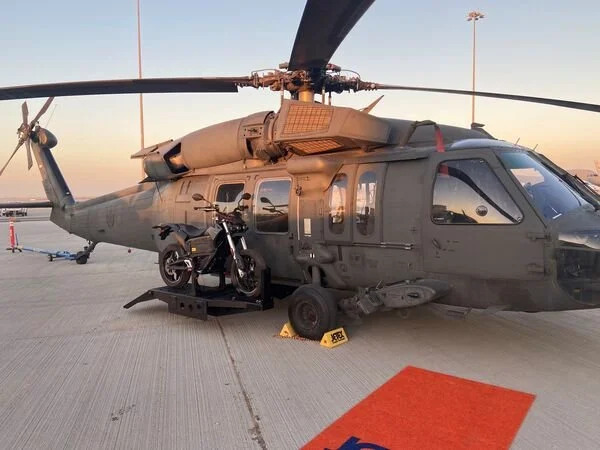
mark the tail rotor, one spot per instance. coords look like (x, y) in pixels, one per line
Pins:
(24, 132)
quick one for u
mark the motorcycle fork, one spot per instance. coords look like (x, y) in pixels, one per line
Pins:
(239, 263)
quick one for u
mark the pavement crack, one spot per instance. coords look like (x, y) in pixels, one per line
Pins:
(255, 430)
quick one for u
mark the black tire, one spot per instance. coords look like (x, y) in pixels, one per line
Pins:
(172, 277)
(312, 311)
(81, 258)
(250, 285)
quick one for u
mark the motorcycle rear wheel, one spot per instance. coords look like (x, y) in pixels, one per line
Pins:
(250, 284)
(172, 277)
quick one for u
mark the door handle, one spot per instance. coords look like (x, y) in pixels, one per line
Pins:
(535, 268)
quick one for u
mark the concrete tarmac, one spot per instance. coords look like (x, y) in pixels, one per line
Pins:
(79, 371)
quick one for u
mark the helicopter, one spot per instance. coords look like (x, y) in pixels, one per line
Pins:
(355, 212)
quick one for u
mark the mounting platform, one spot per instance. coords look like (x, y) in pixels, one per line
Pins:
(200, 302)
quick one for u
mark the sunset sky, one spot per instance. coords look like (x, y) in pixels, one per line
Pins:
(523, 48)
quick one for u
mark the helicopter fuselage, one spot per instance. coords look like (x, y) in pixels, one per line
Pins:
(474, 219)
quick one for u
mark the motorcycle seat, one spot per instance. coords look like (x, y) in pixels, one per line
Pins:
(192, 231)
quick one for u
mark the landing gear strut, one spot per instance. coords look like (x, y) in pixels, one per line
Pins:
(82, 256)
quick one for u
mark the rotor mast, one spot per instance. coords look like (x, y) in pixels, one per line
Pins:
(306, 94)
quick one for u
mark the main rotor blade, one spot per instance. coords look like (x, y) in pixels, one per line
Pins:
(40, 114)
(11, 157)
(522, 98)
(133, 86)
(25, 113)
(323, 27)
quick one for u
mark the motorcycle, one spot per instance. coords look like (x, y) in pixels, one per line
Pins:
(212, 251)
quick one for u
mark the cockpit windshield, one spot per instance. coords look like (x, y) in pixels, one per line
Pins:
(550, 195)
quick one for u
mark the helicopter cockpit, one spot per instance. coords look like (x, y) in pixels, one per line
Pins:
(572, 216)
(471, 191)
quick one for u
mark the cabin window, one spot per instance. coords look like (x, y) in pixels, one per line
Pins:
(272, 206)
(337, 203)
(366, 197)
(468, 192)
(228, 196)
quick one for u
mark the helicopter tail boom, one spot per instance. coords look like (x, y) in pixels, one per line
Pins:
(54, 183)
(56, 188)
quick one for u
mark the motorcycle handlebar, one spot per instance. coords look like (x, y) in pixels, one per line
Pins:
(234, 216)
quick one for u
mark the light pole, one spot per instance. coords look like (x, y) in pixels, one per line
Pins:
(139, 44)
(474, 16)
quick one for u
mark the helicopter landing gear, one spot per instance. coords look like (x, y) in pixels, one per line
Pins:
(312, 311)
(81, 257)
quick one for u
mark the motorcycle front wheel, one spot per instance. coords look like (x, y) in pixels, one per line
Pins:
(248, 284)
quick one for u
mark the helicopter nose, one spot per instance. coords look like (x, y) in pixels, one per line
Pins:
(578, 266)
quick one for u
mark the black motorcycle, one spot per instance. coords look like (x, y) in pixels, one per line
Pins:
(212, 251)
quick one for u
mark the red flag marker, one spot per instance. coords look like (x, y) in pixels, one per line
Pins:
(12, 237)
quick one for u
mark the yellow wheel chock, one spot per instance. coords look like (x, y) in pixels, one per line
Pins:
(334, 338)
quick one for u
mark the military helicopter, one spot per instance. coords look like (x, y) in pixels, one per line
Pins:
(358, 213)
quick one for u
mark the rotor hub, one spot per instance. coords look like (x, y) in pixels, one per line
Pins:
(302, 84)
(23, 131)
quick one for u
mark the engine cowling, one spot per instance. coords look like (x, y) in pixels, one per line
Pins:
(249, 137)
(240, 139)
(165, 162)
(299, 127)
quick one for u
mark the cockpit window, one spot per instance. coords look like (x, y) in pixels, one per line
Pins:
(468, 192)
(549, 194)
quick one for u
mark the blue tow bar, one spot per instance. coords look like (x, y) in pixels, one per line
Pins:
(52, 255)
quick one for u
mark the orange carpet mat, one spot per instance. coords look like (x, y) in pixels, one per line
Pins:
(421, 409)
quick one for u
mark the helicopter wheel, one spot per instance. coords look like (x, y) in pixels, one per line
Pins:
(312, 311)
(81, 258)
(175, 278)
(250, 284)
